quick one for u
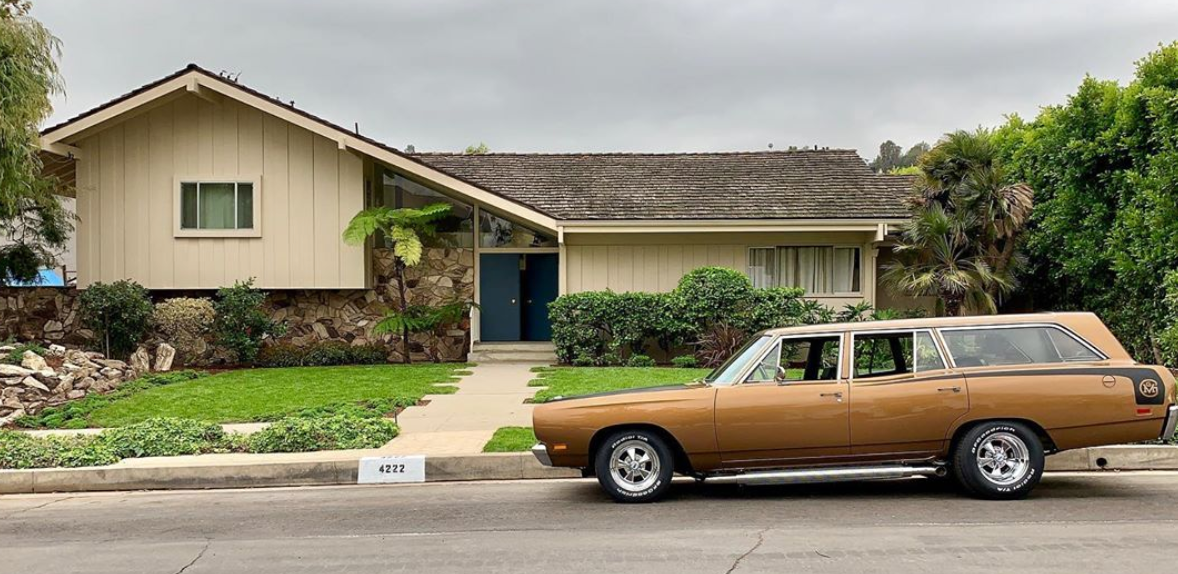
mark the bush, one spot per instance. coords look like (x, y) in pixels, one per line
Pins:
(119, 313)
(719, 343)
(710, 294)
(21, 451)
(242, 323)
(640, 361)
(297, 434)
(322, 354)
(164, 437)
(184, 322)
(685, 362)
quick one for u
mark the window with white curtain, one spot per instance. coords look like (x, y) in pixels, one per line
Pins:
(819, 270)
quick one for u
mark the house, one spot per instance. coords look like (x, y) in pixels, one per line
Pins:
(195, 181)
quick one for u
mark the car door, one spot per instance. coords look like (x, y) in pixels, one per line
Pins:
(765, 420)
(904, 397)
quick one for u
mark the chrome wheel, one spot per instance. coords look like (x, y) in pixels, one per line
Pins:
(1003, 459)
(634, 465)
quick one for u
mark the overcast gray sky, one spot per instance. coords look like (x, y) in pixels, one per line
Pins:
(621, 75)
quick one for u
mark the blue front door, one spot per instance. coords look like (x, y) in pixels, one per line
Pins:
(540, 288)
(499, 297)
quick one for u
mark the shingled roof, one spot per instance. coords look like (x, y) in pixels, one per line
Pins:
(802, 184)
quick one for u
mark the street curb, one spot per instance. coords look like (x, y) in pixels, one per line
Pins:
(498, 466)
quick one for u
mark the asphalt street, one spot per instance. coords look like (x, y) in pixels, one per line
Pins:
(1073, 523)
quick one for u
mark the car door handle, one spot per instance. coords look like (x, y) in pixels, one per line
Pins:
(838, 396)
(948, 389)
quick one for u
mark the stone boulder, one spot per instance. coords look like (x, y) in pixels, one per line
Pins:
(33, 361)
(164, 355)
(141, 360)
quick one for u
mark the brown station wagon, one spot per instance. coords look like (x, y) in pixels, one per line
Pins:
(980, 398)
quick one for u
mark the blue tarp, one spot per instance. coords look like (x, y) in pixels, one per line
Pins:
(47, 278)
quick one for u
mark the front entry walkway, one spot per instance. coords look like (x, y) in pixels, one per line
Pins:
(492, 396)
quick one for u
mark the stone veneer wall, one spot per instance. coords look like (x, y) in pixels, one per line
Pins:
(41, 314)
(445, 275)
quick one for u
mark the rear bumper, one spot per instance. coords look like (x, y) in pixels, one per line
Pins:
(1171, 422)
(541, 453)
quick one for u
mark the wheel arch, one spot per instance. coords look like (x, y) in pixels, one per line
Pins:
(1044, 436)
(682, 461)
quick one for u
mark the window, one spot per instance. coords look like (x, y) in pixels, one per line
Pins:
(884, 354)
(1015, 346)
(217, 208)
(454, 230)
(726, 374)
(495, 231)
(818, 270)
(799, 359)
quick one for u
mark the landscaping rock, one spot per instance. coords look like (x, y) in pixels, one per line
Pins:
(10, 417)
(141, 360)
(85, 383)
(76, 394)
(56, 351)
(33, 383)
(112, 364)
(33, 361)
(164, 355)
(7, 370)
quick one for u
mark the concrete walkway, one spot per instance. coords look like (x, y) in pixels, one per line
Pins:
(237, 428)
(492, 396)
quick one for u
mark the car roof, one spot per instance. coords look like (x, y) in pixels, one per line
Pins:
(1068, 319)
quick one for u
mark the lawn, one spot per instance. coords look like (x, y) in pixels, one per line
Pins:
(268, 394)
(572, 381)
(511, 439)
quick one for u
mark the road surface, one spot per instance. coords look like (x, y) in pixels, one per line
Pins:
(1074, 523)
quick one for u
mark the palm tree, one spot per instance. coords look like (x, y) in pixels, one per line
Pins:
(404, 228)
(935, 257)
(963, 192)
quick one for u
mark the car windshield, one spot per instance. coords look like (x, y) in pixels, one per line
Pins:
(727, 373)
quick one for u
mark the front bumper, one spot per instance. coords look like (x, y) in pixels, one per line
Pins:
(1171, 422)
(541, 453)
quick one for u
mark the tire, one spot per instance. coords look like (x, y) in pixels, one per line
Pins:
(634, 466)
(999, 460)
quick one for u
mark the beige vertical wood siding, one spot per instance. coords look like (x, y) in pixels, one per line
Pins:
(624, 262)
(126, 197)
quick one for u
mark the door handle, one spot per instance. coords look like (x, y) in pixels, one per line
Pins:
(838, 396)
(948, 389)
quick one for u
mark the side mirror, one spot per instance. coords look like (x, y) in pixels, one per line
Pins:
(781, 374)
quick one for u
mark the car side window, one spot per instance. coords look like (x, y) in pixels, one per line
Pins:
(885, 354)
(1014, 346)
(802, 359)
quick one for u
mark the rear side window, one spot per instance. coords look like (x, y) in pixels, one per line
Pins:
(883, 354)
(1014, 346)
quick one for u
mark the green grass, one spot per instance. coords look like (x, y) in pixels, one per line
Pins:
(572, 381)
(511, 439)
(267, 394)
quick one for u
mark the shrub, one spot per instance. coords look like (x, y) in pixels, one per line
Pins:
(583, 361)
(164, 437)
(640, 361)
(685, 362)
(16, 355)
(770, 308)
(609, 359)
(242, 323)
(299, 434)
(184, 322)
(710, 294)
(718, 344)
(322, 354)
(119, 313)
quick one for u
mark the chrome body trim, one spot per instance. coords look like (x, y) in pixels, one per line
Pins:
(1171, 423)
(813, 475)
(540, 451)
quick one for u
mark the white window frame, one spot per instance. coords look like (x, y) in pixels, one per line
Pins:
(859, 293)
(946, 361)
(177, 201)
(1101, 356)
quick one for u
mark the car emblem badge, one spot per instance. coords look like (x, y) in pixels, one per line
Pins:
(1149, 388)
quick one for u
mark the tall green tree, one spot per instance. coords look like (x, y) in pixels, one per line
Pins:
(961, 243)
(30, 214)
(1104, 234)
(404, 228)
